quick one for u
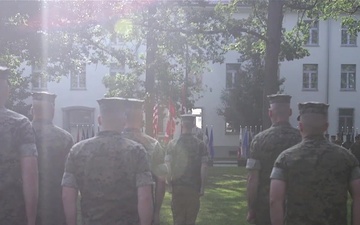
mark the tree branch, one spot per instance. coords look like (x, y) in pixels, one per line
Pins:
(234, 30)
(299, 6)
(352, 11)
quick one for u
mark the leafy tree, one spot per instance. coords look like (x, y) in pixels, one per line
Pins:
(261, 32)
(178, 37)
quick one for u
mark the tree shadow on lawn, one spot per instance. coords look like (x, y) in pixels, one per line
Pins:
(224, 202)
(225, 197)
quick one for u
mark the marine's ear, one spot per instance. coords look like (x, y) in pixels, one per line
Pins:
(99, 120)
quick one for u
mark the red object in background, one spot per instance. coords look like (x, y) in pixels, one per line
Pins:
(170, 126)
(155, 120)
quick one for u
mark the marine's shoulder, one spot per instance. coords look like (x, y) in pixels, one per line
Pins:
(13, 115)
(62, 132)
(293, 150)
(129, 143)
(148, 137)
(340, 150)
(261, 135)
(173, 142)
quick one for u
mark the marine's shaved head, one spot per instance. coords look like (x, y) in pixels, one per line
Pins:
(313, 123)
(279, 112)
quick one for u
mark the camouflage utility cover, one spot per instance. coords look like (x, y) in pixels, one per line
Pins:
(317, 175)
(186, 156)
(53, 144)
(264, 149)
(17, 140)
(108, 169)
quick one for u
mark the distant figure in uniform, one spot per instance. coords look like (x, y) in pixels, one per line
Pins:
(355, 148)
(347, 143)
(53, 144)
(198, 132)
(111, 172)
(133, 125)
(339, 139)
(188, 159)
(333, 139)
(264, 149)
(18, 163)
(311, 180)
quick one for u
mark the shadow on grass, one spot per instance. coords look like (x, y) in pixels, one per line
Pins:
(224, 202)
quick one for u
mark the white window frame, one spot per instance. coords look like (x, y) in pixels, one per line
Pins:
(347, 73)
(38, 75)
(310, 74)
(77, 76)
(314, 27)
(348, 119)
(350, 38)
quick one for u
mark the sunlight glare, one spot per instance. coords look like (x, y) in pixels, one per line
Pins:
(123, 27)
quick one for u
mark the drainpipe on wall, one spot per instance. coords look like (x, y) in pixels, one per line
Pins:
(328, 60)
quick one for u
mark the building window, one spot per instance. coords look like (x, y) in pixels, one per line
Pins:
(310, 77)
(199, 114)
(78, 78)
(38, 77)
(116, 68)
(347, 39)
(313, 32)
(348, 77)
(346, 120)
(80, 122)
(232, 74)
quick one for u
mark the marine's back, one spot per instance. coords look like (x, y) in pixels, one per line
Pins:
(53, 144)
(317, 174)
(109, 168)
(17, 140)
(265, 148)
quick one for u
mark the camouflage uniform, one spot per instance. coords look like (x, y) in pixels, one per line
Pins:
(317, 174)
(155, 152)
(264, 149)
(355, 148)
(53, 144)
(186, 155)
(108, 169)
(17, 140)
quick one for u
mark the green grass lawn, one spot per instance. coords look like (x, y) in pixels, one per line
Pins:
(224, 202)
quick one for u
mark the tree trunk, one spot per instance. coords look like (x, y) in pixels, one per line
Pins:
(274, 34)
(150, 71)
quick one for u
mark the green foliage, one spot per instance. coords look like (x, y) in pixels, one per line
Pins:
(250, 31)
(66, 35)
(242, 105)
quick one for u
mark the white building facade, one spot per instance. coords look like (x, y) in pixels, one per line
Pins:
(328, 75)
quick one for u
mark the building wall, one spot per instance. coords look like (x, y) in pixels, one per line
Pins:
(329, 55)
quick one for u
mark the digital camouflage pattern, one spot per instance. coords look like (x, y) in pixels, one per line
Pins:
(265, 148)
(107, 170)
(317, 175)
(53, 145)
(155, 152)
(186, 156)
(355, 150)
(17, 140)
